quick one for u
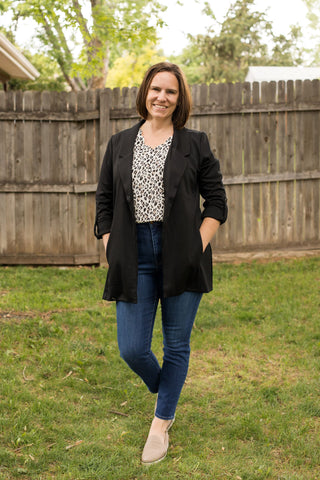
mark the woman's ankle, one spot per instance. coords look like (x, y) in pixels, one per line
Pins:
(159, 426)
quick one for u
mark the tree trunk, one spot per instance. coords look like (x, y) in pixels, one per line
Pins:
(99, 81)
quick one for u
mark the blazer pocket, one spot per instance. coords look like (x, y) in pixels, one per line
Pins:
(199, 245)
(108, 250)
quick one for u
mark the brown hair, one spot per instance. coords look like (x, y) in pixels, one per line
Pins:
(182, 111)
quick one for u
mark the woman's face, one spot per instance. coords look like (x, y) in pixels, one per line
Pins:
(163, 95)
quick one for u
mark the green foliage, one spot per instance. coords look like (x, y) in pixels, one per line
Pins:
(80, 36)
(128, 71)
(313, 12)
(4, 5)
(286, 50)
(7, 33)
(314, 23)
(224, 53)
(50, 78)
(71, 409)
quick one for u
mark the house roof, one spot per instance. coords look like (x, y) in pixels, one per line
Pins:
(269, 74)
(13, 64)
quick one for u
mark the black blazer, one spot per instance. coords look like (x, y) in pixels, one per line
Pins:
(190, 170)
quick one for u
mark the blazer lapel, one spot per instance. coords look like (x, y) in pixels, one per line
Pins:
(174, 168)
(125, 161)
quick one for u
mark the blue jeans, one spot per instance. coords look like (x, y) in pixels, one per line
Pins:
(136, 320)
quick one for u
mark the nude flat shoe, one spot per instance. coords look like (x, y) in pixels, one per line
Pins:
(156, 447)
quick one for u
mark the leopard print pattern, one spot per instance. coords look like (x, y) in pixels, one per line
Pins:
(147, 179)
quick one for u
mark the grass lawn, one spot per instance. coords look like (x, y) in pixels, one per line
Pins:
(250, 410)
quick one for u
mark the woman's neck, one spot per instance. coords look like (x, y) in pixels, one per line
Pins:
(156, 126)
(155, 133)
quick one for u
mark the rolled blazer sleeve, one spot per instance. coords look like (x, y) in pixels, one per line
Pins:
(104, 195)
(210, 184)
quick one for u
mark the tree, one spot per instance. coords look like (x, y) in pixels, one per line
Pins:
(96, 29)
(286, 50)
(314, 22)
(128, 71)
(225, 52)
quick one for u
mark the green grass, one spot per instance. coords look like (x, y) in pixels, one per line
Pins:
(250, 409)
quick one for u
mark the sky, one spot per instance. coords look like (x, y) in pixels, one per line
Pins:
(189, 19)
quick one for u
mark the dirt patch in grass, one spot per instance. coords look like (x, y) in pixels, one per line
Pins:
(16, 316)
(251, 367)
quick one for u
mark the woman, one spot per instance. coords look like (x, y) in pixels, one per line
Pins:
(157, 240)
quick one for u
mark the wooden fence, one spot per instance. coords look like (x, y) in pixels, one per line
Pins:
(267, 137)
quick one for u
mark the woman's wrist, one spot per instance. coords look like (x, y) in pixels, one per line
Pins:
(105, 239)
(208, 230)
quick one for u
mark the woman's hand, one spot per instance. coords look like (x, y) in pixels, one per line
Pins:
(208, 230)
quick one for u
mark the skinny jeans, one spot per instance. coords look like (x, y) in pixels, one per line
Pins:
(135, 322)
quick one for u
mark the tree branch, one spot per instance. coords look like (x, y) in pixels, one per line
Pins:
(62, 39)
(59, 56)
(81, 21)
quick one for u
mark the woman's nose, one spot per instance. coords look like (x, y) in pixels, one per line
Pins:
(161, 95)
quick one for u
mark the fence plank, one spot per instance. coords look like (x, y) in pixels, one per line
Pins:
(105, 131)
(92, 140)
(316, 124)
(3, 142)
(4, 227)
(212, 129)
(247, 162)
